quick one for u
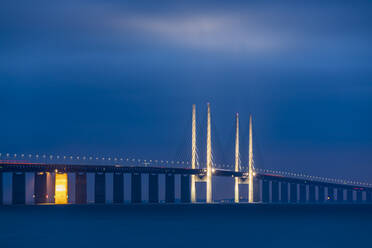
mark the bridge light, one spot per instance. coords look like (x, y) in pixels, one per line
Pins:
(213, 170)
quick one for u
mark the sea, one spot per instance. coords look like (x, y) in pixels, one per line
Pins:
(186, 225)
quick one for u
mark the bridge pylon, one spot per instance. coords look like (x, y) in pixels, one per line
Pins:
(209, 156)
(237, 161)
(193, 154)
(250, 169)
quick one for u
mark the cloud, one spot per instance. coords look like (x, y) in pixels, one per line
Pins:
(211, 32)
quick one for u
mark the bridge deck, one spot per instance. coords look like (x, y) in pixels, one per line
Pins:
(70, 168)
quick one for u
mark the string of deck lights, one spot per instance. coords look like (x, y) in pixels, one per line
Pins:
(173, 162)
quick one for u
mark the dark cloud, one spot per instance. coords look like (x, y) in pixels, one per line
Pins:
(120, 76)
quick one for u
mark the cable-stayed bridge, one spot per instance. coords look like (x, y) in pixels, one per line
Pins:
(50, 176)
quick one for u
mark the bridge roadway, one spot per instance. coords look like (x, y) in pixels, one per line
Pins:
(269, 188)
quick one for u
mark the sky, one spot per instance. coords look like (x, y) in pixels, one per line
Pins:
(120, 77)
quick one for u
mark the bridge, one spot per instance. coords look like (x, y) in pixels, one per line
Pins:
(50, 178)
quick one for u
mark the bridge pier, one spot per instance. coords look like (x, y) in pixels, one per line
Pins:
(153, 188)
(256, 190)
(302, 193)
(19, 188)
(40, 188)
(293, 192)
(368, 196)
(340, 195)
(275, 191)
(359, 196)
(265, 191)
(331, 194)
(136, 188)
(185, 189)
(312, 193)
(169, 188)
(81, 188)
(321, 194)
(100, 188)
(349, 195)
(284, 192)
(1, 188)
(118, 196)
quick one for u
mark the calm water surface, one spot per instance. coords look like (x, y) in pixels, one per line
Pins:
(180, 225)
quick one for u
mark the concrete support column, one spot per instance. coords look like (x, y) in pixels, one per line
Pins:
(256, 190)
(169, 188)
(185, 189)
(153, 188)
(293, 192)
(302, 193)
(368, 196)
(340, 195)
(81, 188)
(100, 188)
(275, 191)
(265, 191)
(349, 195)
(331, 194)
(19, 188)
(321, 194)
(1, 188)
(284, 192)
(312, 193)
(40, 188)
(136, 188)
(118, 188)
(359, 196)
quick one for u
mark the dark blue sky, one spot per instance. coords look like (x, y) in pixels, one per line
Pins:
(119, 77)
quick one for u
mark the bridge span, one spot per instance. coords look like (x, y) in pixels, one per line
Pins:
(268, 188)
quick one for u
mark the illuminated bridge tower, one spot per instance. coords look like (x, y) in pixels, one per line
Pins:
(237, 160)
(193, 154)
(250, 175)
(209, 157)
